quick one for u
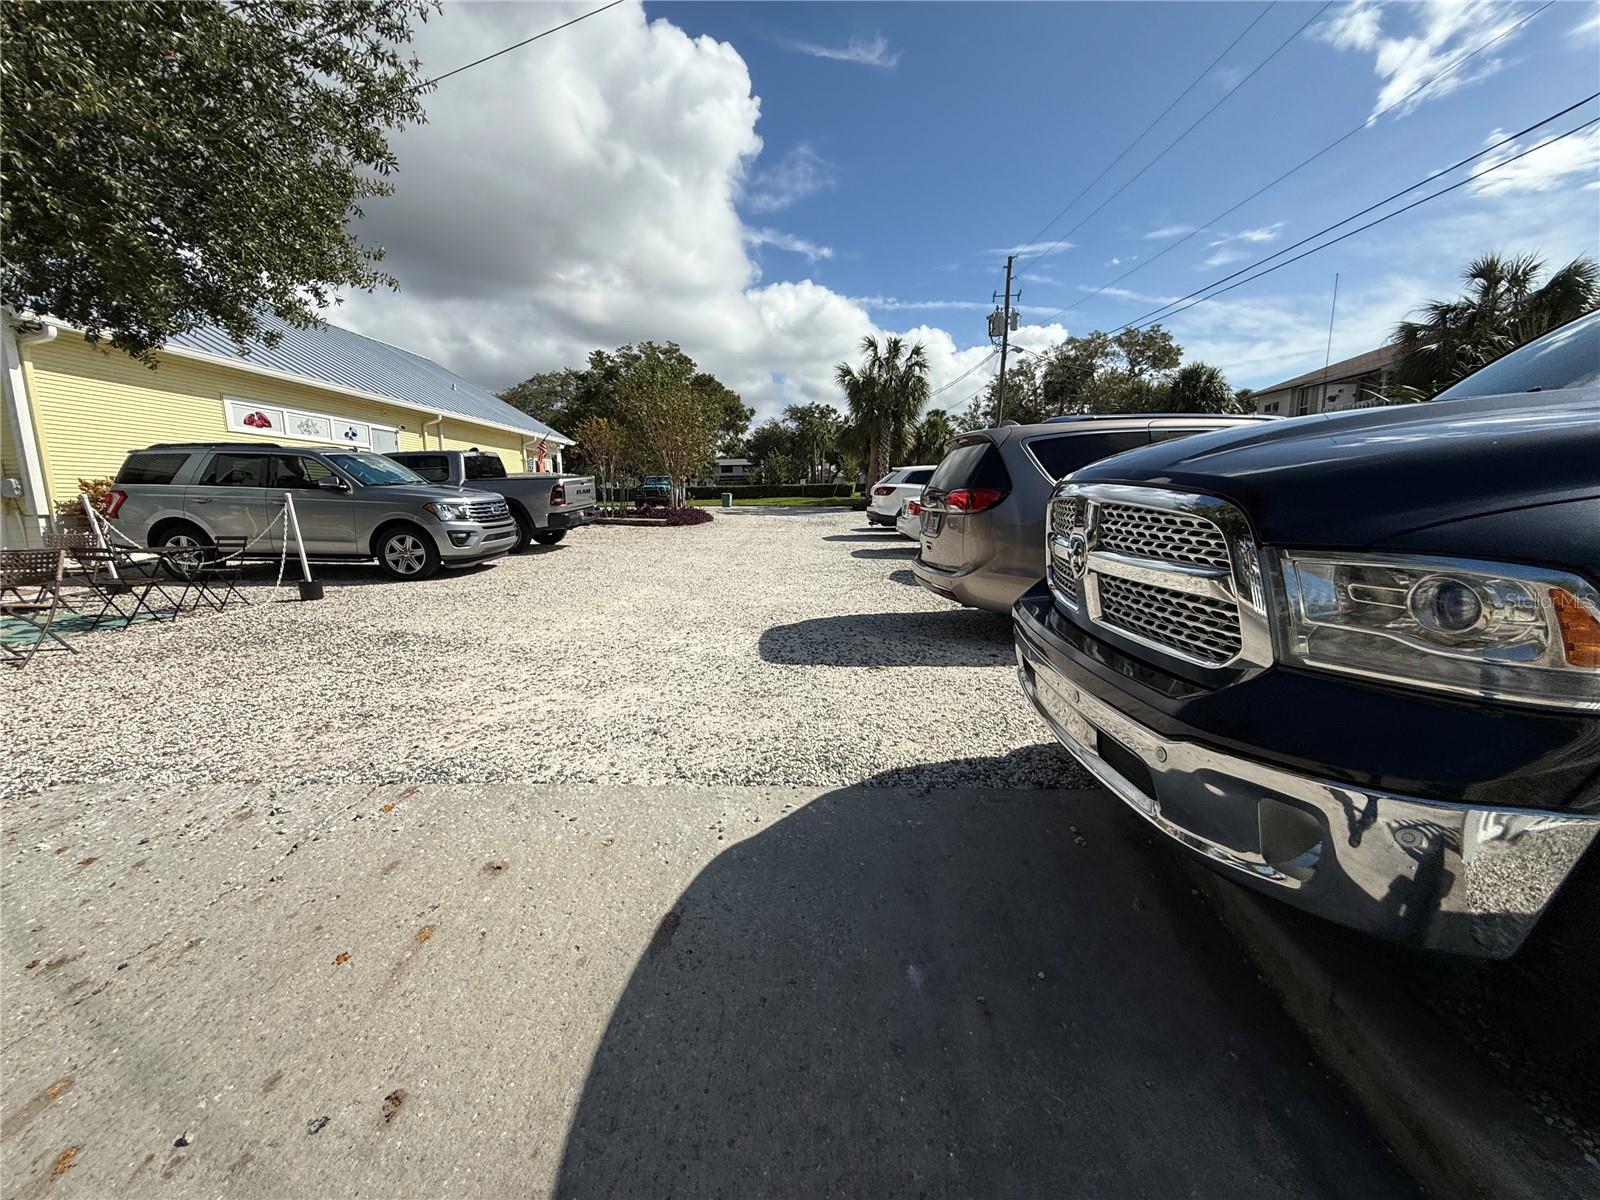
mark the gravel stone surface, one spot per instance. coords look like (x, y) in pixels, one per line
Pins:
(787, 649)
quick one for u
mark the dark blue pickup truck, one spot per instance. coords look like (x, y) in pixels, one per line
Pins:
(1351, 660)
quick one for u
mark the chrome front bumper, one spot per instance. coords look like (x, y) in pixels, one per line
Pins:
(1451, 877)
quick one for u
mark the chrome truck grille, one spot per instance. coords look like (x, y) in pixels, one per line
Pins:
(1175, 572)
(488, 510)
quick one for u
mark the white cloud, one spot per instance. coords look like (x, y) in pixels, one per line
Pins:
(1266, 233)
(787, 241)
(584, 193)
(1223, 258)
(873, 52)
(895, 304)
(1122, 293)
(1167, 231)
(1441, 34)
(1041, 249)
(1588, 27)
(800, 173)
(1546, 169)
(1114, 262)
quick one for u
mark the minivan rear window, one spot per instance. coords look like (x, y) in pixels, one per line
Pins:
(971, 464)
(150, 468)
(1064, 453)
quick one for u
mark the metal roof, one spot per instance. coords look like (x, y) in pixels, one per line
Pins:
(1346, 368)
(331, 355)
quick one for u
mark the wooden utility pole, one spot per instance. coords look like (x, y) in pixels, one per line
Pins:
(1005, 340)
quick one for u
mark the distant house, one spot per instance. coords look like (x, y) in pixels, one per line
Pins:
(73, 410)
(1359, 382)
(732, 470)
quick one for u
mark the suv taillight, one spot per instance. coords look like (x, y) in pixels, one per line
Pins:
(114, 502)
(558, 495)
(883, 491)
(913, 508)
(974, 500)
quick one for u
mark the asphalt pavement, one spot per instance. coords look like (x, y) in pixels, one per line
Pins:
(503, 990)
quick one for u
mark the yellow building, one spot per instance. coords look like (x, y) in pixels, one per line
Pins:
(74, 410)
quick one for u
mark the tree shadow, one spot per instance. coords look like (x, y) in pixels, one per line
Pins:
(957, 637)
(955, 993)
(904, 551)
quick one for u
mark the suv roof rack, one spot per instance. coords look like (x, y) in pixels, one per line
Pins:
(212, 446)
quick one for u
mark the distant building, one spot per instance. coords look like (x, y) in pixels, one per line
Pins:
(72, 410)
(732, 470)
(1359, 382)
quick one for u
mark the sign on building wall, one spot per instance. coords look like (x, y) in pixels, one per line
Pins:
(271, 420)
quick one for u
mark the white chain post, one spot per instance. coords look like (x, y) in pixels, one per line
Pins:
(99, 535)
(310, 589)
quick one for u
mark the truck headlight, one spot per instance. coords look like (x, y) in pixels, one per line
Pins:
(1484, 629)
(446, 510)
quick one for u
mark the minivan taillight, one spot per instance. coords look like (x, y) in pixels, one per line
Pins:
(883, 491)
(558, 495)
(973, 500)
(114, 502)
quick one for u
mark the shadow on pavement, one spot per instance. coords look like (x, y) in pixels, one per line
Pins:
(956, 993)
(903, 576)
(945, 638)
(864, 535)
(906, 551)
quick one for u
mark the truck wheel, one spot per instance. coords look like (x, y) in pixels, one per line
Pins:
(406, 552)
(549, 537)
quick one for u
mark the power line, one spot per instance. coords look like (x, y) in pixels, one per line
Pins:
(1338, 141)
(1129, 147)
(1224, 99)
(1379, 221)
(945, 387)
(478, 62)
(1156, 313)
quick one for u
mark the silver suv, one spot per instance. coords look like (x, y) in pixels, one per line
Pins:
(983, 511)
(351, 506)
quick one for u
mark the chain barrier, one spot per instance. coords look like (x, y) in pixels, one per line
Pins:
(108, 530)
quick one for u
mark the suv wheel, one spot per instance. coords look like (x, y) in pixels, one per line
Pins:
(406, 552)
(549, 537)
(182, 538)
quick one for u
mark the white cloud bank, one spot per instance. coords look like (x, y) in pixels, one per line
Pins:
(583, 193)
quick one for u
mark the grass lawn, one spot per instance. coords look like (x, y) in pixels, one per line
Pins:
(782, 502)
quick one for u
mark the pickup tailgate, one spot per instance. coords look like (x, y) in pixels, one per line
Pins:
(580, 490)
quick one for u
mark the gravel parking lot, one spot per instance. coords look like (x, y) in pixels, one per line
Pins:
(782, 649)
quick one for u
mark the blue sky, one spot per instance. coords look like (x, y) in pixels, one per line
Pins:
(767, 183)
(969, 126)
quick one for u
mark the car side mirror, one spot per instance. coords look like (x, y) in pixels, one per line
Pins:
(332, 483)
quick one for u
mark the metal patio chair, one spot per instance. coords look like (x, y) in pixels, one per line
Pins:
(30, 592)
(213, 575)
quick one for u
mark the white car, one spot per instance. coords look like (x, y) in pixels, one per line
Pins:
(910, 522)
(893, 490)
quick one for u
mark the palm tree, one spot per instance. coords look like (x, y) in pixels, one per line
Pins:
(932, 432)
(1504, 307)
(885, 394)
(1199, 387)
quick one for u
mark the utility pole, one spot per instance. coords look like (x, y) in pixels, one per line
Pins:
(1007, 324)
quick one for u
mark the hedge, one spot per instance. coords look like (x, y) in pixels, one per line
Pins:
(762, 491)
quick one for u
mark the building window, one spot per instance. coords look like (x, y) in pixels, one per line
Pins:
(1270, 408)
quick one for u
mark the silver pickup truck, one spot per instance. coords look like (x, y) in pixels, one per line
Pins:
(544, 506)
